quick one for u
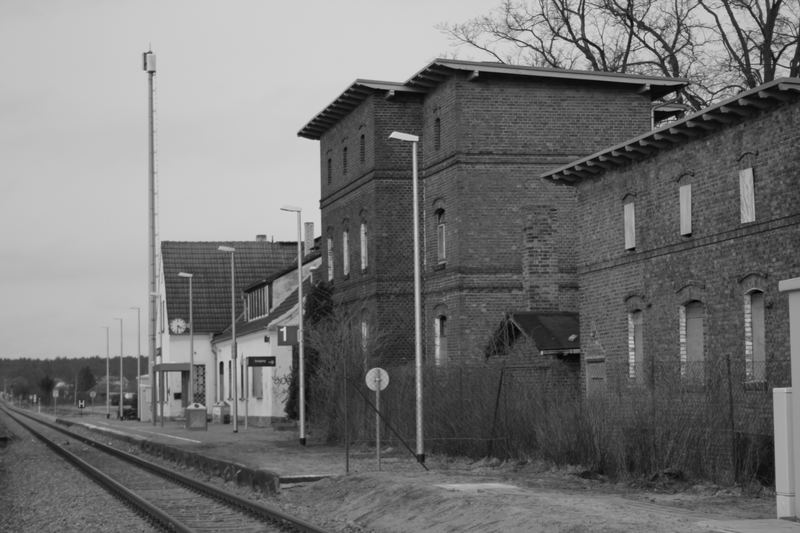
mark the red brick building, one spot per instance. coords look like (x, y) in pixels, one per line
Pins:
(493, 240)
(683, 235)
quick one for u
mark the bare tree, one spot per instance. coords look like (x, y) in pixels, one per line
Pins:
(720, 46)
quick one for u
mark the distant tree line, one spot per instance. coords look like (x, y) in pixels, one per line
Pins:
(39, 376)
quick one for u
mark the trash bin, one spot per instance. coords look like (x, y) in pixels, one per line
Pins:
(196, 417)
(221, 413)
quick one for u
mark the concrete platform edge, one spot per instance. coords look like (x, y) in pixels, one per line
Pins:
(258, 479)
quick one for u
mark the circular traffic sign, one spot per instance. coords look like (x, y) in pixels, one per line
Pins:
(92, 394)
(377, 379)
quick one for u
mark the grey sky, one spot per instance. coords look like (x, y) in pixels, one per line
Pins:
(236, 80)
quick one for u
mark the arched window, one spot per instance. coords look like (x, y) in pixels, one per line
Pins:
(754, 349)
(364, 331)
(330, 171)
(692, 341)
(441, 247)
(440, 340)
(344, 161)
(221, 393)
(362, 149)
(364, 246)
(437, 133)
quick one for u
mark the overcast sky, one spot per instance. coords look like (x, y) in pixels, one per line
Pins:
(236, 80)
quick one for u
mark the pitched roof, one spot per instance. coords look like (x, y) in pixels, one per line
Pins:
(439, 70)
(721, 115)
(243, 327)
(211, 284)
(555, 332)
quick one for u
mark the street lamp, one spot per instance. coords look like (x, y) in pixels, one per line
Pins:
(138, 361)
(120, 367)
(108, 377)
(300, 357)
(191, 337)
(231, 250)
(414, 139)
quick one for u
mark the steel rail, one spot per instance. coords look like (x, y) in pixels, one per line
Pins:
(258, 509)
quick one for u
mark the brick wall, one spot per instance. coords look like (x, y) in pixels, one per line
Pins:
(717, 264)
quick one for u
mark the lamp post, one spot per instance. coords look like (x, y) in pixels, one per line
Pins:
(138, 361)
(120, 367)
(191, 337)
(108, 377)
(231, 250)
(414, 139)
(300, 356)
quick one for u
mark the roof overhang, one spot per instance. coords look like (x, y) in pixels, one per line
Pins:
(439, 70)
(351, 98)
(730, 111)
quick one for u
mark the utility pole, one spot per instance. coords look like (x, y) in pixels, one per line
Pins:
(149, 66)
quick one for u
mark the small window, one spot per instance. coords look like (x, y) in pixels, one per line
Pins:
(362, 149)
(437, 134)
(344, 161)
(346, 252)
(330, 258)
(635, 347)
(685, 192)
(330, 171)
(692, 341)
(441, 245)
(747, 207)
(630, 225)
(364, 247)
(754, 344)
(221, 393)
(440, 340)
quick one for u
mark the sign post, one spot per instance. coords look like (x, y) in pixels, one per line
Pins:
(377, 379)
(92, 394)
(55, 401)
(81, 406)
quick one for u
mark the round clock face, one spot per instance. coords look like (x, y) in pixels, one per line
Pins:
(177, 326)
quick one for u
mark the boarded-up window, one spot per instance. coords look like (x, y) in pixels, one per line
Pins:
(346, 252)
(630, 226)
(635, 347)
(747, 196)
(330, 258)
(692, 340)
(754, 347)
(441, 246)
(685, 192)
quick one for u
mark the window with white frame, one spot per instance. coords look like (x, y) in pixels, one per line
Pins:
(685, 193)
(346, 252)
(629, 215)
(747, 199)
(440, 340)
(754, 345)
(635, 347)
(364, 247)
(330, 257)
(441, 235)
(256, 303)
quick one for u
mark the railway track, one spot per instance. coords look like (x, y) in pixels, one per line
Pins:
(167, 499)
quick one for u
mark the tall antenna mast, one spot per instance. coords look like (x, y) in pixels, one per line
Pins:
(149, 66)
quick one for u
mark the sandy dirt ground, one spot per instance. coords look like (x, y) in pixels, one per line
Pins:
(488, 496)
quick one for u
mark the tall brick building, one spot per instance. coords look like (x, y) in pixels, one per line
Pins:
(684, 234)
(493, 240)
